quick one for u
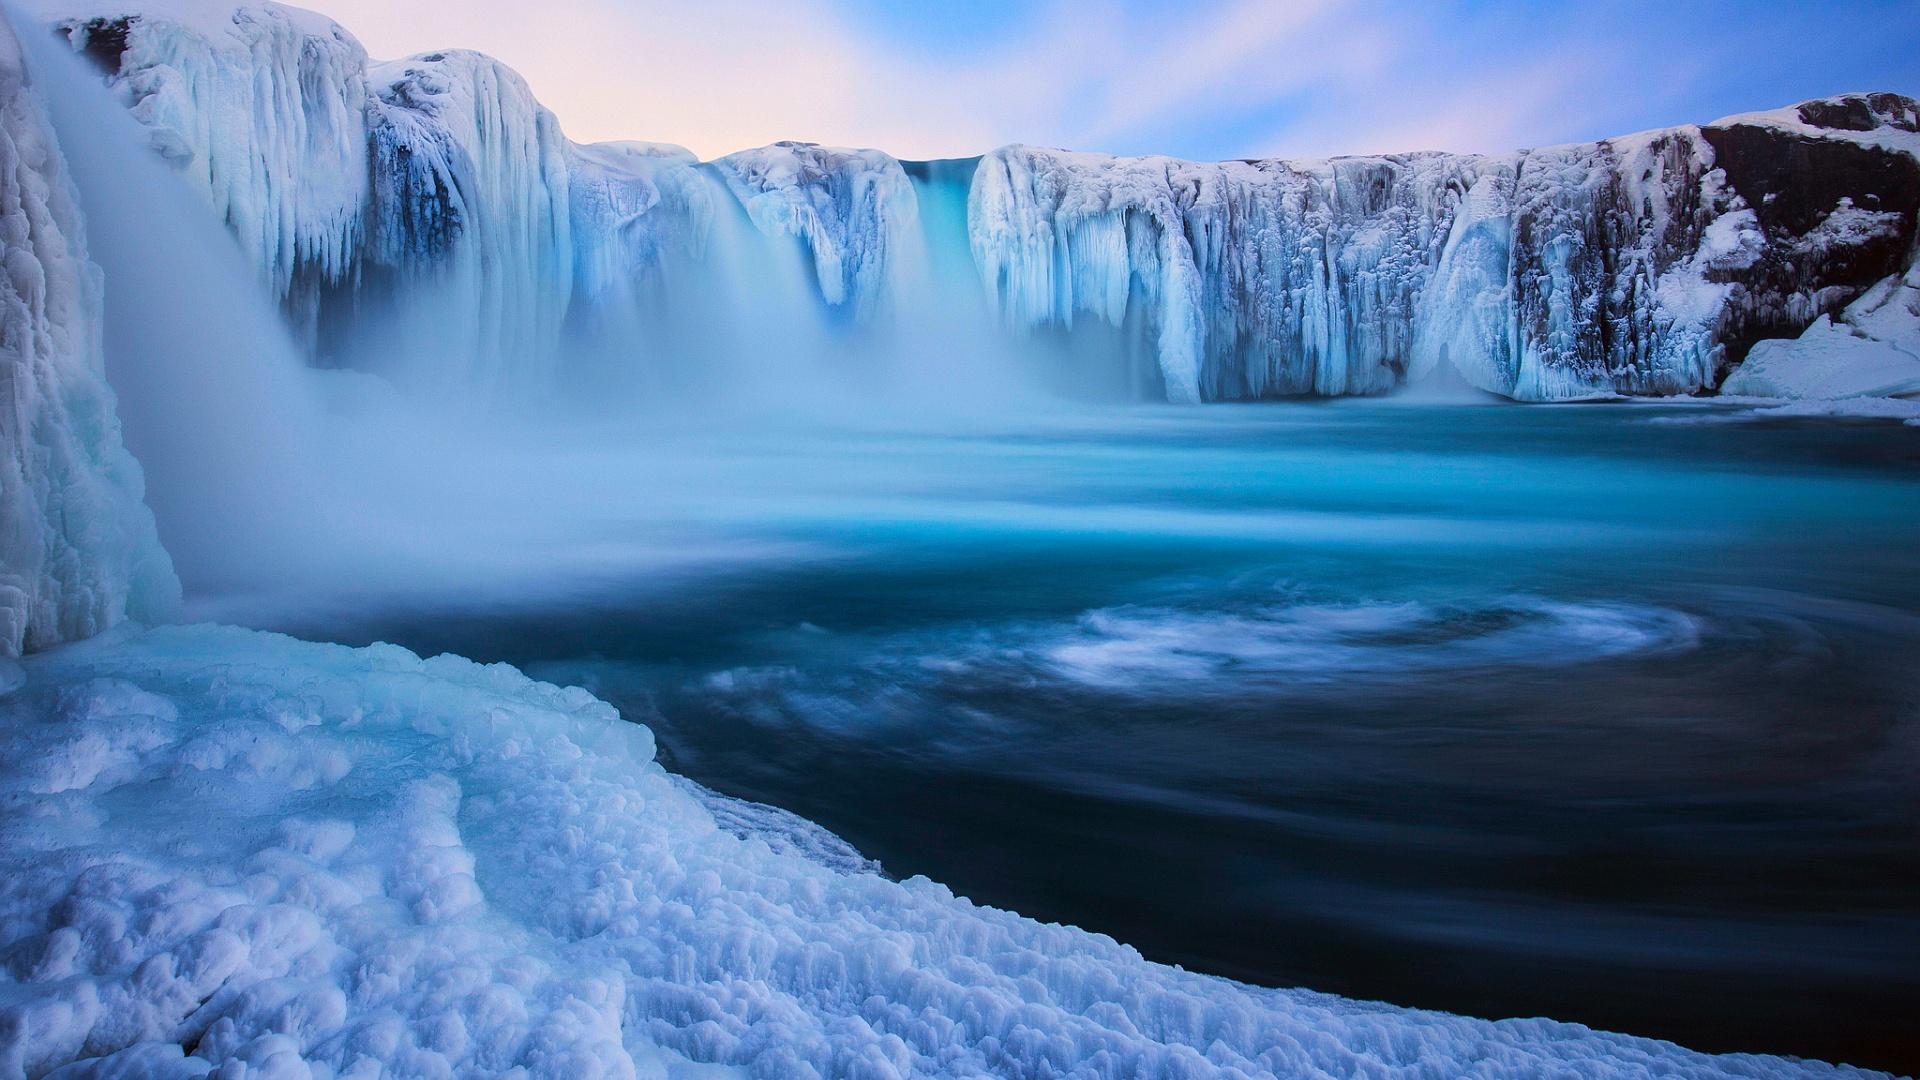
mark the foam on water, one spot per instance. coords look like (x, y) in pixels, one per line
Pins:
(1168, 650)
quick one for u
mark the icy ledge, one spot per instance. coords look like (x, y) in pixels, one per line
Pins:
(230, 850)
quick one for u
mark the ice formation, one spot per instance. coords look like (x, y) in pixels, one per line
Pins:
(470, 216)
(78, 549)
(1641, 265)
(261, 108)
(354, 862)
(1625, 266)
(855, 209)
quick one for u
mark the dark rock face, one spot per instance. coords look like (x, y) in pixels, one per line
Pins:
(102, 41)
(1838, 215)
(1862, 112)
(1793, 182)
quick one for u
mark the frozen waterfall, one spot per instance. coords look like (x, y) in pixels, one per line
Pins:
(442, 231)
(78, 549)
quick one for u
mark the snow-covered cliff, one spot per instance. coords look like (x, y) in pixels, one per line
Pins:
(263, 109)
(78, 550)
(1642, 265)
(486, 248)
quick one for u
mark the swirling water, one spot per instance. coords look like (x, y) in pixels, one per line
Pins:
(1574, 711)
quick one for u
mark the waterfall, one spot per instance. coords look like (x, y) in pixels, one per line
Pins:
(213, 396)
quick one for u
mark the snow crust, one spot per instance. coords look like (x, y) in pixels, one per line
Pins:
(78, 549)
(226, 850)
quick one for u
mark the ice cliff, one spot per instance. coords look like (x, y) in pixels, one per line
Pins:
(264, 110)
(855, 210)
(78, 549)
(1641, 265)
(436, 191)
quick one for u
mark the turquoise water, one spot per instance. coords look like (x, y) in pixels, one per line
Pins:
(1608, 713)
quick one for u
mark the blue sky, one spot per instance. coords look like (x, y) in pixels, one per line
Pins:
(1203, 80)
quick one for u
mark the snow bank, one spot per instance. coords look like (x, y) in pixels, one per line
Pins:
(226, 848)
(1871, 350)
(78, 550)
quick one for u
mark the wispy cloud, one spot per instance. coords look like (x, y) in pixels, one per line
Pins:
(1230, 79)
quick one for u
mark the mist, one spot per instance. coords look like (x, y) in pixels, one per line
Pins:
(667, 427)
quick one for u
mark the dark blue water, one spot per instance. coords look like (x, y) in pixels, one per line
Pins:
(1610, 714)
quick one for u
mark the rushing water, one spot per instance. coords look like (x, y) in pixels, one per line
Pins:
(1608, 713)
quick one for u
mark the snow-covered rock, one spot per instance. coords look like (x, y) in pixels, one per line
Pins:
(1872, 347)
(1871, 350)
(230, 850)
(78, 550)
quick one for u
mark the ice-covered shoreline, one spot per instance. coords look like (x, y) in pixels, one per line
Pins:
(226, 847)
